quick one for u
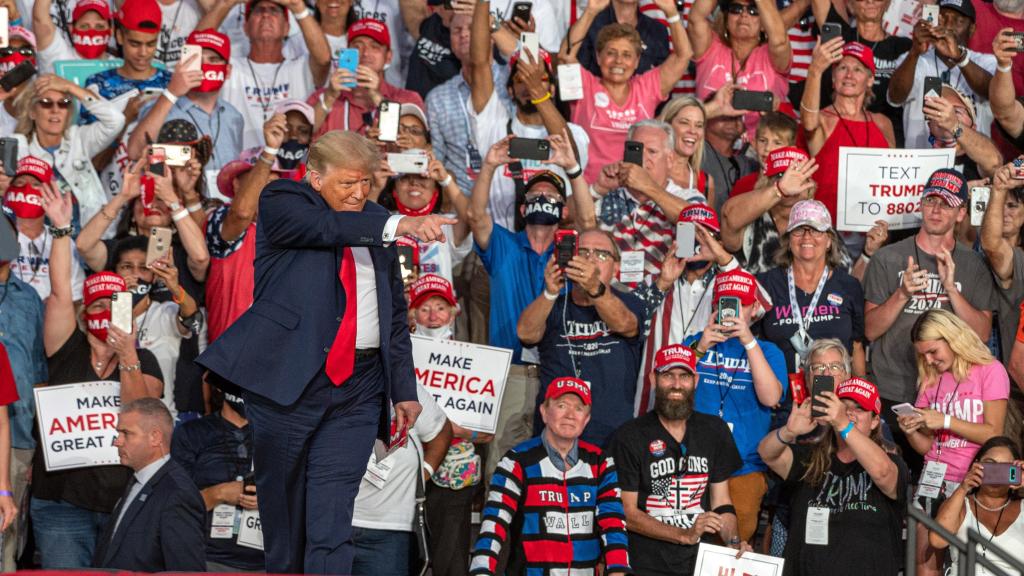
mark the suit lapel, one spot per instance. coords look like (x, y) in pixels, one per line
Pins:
(134, 508)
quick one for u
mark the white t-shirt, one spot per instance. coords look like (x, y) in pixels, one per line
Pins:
(32, 265)
(157, 331)
(915, 129)
(178, 21)
(233, 27)
(255, 89)
(551, 23)
(59, 49)
(490, 126)
(295, 46)
(7, 122)
(391, 507)
(441, 259)
(389, 12)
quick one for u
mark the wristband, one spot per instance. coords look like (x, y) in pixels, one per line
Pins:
(323, 105)
(673, 19)
(130, 367)
(1005, 70)
(543, 98)
(864, 256)
(846, 431)
(271, 151)
(725, 509)
(61, 232)
(965, 60)
(180, 215)
(170, 97)
(174, 206)
(750, 345)
(778, 434)
(550, 296)
(179, 298)
(194, 207)
(303, 15)
(446, 182)
(426, 465)
(6, 493)
(947, 422)
(574, 172)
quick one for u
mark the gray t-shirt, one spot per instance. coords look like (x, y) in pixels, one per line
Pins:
(893, 359)
(1007, 305)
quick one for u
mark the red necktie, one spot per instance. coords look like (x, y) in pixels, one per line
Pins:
(343, 352)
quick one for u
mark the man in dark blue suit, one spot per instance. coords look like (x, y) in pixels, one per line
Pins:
(323, 352)
(158, 525)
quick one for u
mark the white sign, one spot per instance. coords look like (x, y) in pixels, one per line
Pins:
(721, 561)
(884, 184)
(78, 424)
(250, 531)
(467, 380)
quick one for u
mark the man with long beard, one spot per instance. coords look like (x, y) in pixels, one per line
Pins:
(674, 466)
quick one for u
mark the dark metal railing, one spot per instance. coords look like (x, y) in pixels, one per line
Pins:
(968, 551)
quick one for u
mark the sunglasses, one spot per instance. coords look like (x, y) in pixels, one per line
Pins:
(63, 103)
(11, 51)
(737, 9)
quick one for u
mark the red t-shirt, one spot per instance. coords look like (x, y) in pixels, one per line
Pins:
(8, 387)
(336, 117)
(987, 26)
(744, 184)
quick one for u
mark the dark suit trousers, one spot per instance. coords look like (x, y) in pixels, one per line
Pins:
(309, 459)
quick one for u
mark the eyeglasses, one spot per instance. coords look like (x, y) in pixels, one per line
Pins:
(935, 202)
(737, 9)
(832, 368)
(804, 230)
(599, 254)
(63, 103)
(11, 51)
(411, 130)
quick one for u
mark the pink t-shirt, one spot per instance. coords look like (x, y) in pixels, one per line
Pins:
(607, 123)
(963, 402)
(715, 68)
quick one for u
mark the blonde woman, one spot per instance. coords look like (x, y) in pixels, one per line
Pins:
(961, 404)
(687, 115)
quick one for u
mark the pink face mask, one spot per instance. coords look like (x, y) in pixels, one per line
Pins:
(90, 44)
(213, 77)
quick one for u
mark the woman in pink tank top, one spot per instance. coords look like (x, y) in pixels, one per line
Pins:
(845, 122)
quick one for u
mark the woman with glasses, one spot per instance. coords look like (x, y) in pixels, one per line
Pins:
(848, 490)
(961, 404)
(747, 45)
(45, 131)
(812, 294)
(993, 509)
(216, 451)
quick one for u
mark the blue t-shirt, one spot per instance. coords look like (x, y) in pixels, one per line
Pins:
(517, 278)
(110, 84)
(577, 342)
(726, 385)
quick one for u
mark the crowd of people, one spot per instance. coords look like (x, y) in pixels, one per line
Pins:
(638, 198)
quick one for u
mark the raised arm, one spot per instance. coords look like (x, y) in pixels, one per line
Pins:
(450, 188)
(480, 220)
(1007, 110)
(90, 244)
(579, 30)
(191, 236)
(316, 41)
(42, 24)
(242, 211)
(482, 79)
(952, 512)
(778, 40)
(740, 211)
(997, 248)
(883, 471)
(181, 83)
(879, 318)
(672, 69)
(533, 321)
(792, 14)
(60, 320)
(215, 11)
(823, 57)
(699, 28)
(903, 78)
(414, 12)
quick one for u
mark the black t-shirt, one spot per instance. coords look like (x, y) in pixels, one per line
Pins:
(839, 312)
(99, 487)
(213, 451)
(578, 343)
(672, 490)
(432, 61)
(864, 526)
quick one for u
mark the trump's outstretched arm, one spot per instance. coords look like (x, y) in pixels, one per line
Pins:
(293, 215)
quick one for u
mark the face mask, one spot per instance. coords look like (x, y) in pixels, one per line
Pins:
(90, 44)
(97, 323)
(236, 403)
(213, 77)
(25, 201)
(140, 291)
(543, 211)
(406, 211)
(439, 333)
(7, 64)
(291, 154)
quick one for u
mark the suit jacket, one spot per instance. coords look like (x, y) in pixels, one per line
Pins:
(162, 530)
(277, 347)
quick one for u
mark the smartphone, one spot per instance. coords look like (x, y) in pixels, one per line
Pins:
(529, 148)
(121, 311)
(830, 30)
(4, 27)
(979, 203)
(348, 59)
(904, 409)
(124, 97)
(175, 154)
(9, 156)
(159, 246)
(1018, 168)
(821, 383)
(752, 100)
(17, 75)
(633, 153)
(531, 42)
(521, 12)
(407, 261)
(686, 239)
(249, 480)
(932, 86)
(148, 188)
(930, 14)
(388, 116)
(1019, 38)
(157, 161)
(1000, 473)
(728, 308)
(187, 51)
(799, 388)
(408, 163)
(565, 247)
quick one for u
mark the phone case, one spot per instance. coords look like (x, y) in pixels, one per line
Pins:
(634, 153)
(932, 86)
(830, 30)
(408, 163)
(159, 244)
(9, 156)
(818, 385)
(389, 115)
(521, 10)
(529, 149)
(15, 76)
(686, 239)
(565, 247)
(121, 311)
(348, 59)
(531, 42)
(187, 51)
(979, 203)
(752, 100)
